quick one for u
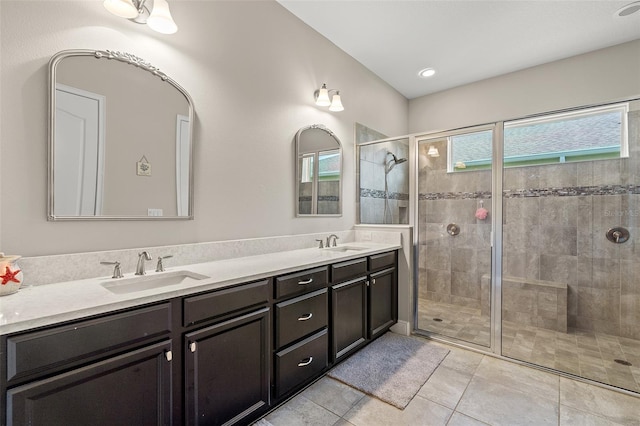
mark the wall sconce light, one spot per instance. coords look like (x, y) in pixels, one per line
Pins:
(322, 98)
(433, 152)
(154, 13)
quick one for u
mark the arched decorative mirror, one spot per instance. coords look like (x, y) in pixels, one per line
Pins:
(120, 139)
(319, 172)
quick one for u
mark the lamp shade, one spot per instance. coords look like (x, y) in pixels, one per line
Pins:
(323, 96)
(336, 103)
(121, 8)
(160, 19)
(433, 152)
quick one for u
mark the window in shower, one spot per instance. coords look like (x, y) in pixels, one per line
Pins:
(582, 135)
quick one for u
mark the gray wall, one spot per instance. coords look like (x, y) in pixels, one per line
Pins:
(251, 68)
(602, 75)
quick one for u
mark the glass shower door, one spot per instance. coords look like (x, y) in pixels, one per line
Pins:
(454, 235)
(571, 209)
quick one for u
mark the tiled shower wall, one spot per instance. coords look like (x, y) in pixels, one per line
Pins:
(555, 221)
(451, 267)
(371, 178)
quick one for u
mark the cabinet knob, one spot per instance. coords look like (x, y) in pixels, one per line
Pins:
(305, 362)
(168, 355)
(305, 317)
(192, 346)
(373, 281)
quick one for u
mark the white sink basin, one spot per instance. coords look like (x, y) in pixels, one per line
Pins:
(345, 248)
(147, 282)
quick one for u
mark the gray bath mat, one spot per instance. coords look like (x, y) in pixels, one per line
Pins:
(393, 368)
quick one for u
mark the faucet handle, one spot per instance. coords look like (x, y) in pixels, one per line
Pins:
(117, 272)
(160, 266)
(320, 244)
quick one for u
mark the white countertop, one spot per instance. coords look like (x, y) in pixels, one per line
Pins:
(43, 305)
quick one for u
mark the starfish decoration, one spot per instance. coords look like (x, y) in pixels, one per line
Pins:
(10, 276)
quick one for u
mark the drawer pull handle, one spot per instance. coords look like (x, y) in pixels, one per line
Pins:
(305, 317)
(305, 362)
(168, 355)
(192, 346)
(309, 281)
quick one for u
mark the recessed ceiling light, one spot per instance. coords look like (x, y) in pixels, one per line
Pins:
(629, 9)
(427, 72)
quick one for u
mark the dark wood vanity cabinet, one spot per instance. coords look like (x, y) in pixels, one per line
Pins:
(220, 357)
(109, 370)
(364, 301)
(301, 344)
(227, 354)
(227, 370)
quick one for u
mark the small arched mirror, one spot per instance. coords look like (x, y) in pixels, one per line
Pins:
(318, 172)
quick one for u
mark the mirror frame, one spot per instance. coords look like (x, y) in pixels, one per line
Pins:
(297, 161)
(126, 58)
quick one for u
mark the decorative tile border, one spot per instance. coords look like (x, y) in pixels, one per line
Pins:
(377, 193)
(485, 195)
(543, 192)
(320, 198)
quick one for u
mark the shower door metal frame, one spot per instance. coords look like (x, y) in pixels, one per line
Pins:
(495, 341)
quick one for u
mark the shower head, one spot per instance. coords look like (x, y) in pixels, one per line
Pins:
(396, 159)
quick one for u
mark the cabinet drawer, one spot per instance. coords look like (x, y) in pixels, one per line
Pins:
(381, 261)
(217, 303)
(346, 270)
(301, 282)
(301, 362)
(51, 349)
(298, 317)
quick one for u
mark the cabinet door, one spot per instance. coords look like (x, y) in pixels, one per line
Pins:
(227, 370)
(130, 389)
(349, 315)
(383, 302)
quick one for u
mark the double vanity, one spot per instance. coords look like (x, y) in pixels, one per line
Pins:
(212, 343)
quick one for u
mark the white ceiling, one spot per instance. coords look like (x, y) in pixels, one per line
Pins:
(465, 41)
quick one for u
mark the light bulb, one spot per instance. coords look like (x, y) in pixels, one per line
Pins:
(121, 8)
(323, 96)
(336, 103)
(160, 19)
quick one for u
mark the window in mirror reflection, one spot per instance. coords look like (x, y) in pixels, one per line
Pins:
(318, 171)
(328, 182)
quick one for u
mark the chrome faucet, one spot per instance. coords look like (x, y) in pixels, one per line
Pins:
(335, 240)
(140, 266)
(117, 272)
(160, 265)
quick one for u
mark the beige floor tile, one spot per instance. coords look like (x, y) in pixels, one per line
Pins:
(445, 386)
(572, 417)
(343, 422)
(614, 406)
(333, 395)
(519, 377)
(371, 411)
(496, 404)
(462, 360)
(302, 412)
(459, 419)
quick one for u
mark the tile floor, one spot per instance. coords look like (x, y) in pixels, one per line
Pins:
(467, 388)
(583, 353)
